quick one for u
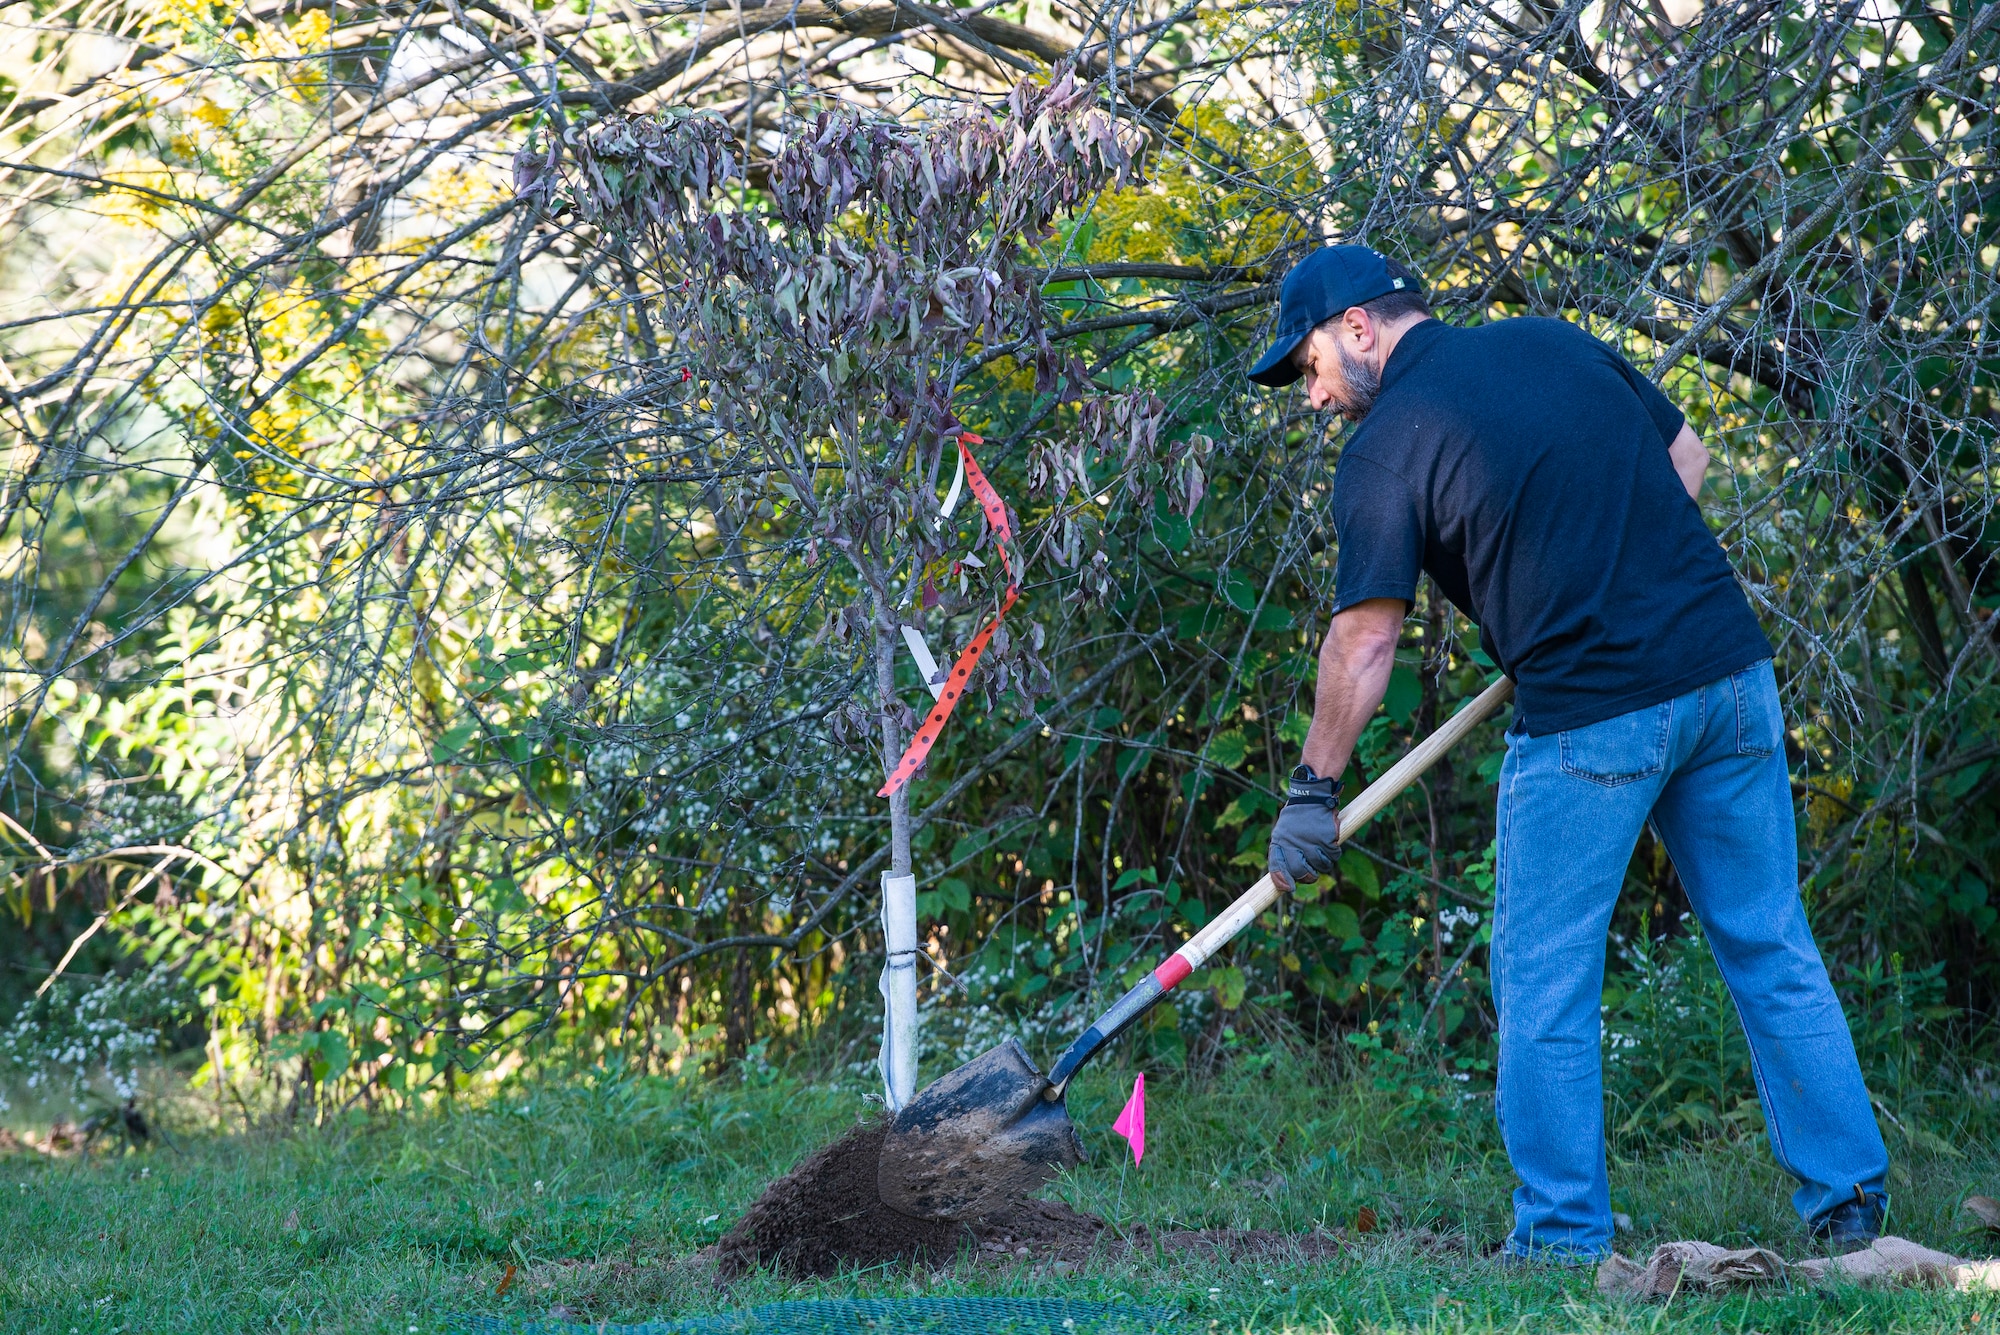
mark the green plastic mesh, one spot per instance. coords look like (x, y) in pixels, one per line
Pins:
(875, 1316)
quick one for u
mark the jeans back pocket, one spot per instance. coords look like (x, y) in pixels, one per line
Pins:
(1619, 750)
(1760, 721)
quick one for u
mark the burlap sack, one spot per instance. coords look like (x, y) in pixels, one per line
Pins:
(1699, 1267)
(1703, 1267)
(1886, 1261)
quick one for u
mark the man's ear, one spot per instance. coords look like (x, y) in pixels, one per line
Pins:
(1359, 327)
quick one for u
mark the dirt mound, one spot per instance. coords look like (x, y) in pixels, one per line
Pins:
(826, 1215)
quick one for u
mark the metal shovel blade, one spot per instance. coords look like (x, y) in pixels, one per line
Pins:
(976, 1139)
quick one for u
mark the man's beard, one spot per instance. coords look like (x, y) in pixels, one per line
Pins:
(1364, 385)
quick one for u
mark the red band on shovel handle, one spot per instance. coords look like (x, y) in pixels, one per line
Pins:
(1123, 1012)
(961, 671)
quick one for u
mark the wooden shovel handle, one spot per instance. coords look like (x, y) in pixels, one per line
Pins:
(1224, 926)
(1422, 756)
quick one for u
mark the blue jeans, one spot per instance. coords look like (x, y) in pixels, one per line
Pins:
(1708, 768)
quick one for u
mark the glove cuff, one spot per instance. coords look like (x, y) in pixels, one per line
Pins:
(1308, 789)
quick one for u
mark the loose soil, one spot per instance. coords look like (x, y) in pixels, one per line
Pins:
(826, 1216)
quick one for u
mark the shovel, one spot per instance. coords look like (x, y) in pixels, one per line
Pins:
(995, 1130)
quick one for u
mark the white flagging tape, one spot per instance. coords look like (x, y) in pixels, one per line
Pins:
(927, 667)
(952, 493)
(898, 1062)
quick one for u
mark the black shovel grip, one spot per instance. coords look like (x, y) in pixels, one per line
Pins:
(1108, 1026)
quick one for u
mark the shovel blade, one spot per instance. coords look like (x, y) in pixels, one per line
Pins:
(977, 1139)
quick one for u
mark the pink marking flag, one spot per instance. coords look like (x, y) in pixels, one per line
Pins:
(1131, 1123)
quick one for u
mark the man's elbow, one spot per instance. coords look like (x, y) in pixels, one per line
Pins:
(1365, 636)
(1373, 644)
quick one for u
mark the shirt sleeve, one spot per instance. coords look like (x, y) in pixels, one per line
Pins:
(1381, 534)
(1667, 419)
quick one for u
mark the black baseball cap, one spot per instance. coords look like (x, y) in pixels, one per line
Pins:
(1319, 287)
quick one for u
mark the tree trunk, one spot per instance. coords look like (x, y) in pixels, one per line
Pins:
(1923, 619)
(740, 1025)
(899, 890)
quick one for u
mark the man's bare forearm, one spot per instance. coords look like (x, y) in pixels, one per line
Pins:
(1354, 666)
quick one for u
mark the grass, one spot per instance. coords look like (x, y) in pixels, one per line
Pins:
(598, 1189)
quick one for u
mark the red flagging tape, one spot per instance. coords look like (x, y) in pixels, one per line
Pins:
(961, 671)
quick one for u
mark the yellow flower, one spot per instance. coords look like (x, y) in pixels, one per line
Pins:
(310, 32)
(185, 15)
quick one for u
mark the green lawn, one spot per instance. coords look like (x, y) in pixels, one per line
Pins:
(598, 1190)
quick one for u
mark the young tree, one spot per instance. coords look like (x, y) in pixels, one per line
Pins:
(812, 330)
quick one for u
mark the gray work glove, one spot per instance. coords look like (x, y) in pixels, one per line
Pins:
(1306, 839)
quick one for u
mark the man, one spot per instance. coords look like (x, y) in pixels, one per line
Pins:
(1548, 490)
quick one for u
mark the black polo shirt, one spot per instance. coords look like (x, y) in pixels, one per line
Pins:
(1523, 465)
